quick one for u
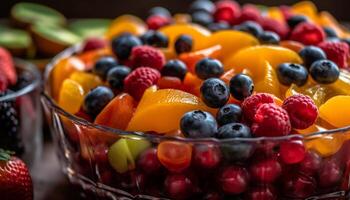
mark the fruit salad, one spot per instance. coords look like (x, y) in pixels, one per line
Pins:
(226, 101)
(20, 118)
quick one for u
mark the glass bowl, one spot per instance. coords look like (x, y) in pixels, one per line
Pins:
(25, 137)
(115, 164)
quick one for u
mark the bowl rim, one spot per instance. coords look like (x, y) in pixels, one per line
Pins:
(35, 83)
(152, 137)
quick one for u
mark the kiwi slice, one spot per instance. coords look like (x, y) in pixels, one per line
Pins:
(17, 41)
(89, 27)
(51, 39)
(24, 14)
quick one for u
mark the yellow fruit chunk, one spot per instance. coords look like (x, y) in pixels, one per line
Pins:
(198, 33)
(325, 19)
(306, 8)
(161, 110)
(336, 111)
(326, 145)
(231, 42)
(269, 83)
(71, 96)
(87, 80)
(62, 70)
(126, 24)
(342, 85)
(253, 59)
(275, 13)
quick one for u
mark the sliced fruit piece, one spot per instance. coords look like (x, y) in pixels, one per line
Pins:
(269, 83)
(191, 59)
(253, 59)
(87, 80)
(137, 146)
(231, 42)
(86, 28)
(326, 145)
(62, 70)
(17, 41)
(175, 156)
(226, 77)
(342, 85)
(326, 19)
(292, 45)
(118, 112)
(336, 111)
(192, 84)
(199, 34)
(120, 157)
(26, 13)
(126, 24)
(306, 8)
(161, 110)
(275, 13)
(71, 96)
(90, 57)
(50, 39)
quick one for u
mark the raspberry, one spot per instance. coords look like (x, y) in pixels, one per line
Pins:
(93, 44)
(286, 11)
(302, 111)
(227, 11)
(273, 25)
(271, 120)
(147, 56)
(337, 52)
(252, 103)
(155, 22)
(308, 34)
(139, 80)
(250, 13)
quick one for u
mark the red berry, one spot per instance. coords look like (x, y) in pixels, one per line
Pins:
(7, 66)
(262, 192)
(149, 162)
(280, 28)
(139, 80)
(251, 104)
(134, 180)
(227, 11)
(292, 151)
(330, 173)
(212, 196)
(3, 82)
(286, 11)
(206, 156)
(311, 163)
(299, 186)
(302, 111)
(308, 34)
(147, 56)
(250, 13)
(155, 22)
(101, 153)
(266, 171)
(271, 120)
(234, 180)
(337, 52)
(93, 44)
(178, 186)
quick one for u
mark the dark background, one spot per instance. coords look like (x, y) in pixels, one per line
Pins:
(113, 8)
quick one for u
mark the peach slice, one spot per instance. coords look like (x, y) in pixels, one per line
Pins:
(161, 110)
(269, 83)
(87, 80)
(126, 24)
(336, 111)
(71, 96)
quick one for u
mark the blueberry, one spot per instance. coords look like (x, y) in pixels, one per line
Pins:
(175, 68)
(122, 45)
(218, 26)
(209, 68)
(198, 124)
(116, 76)
(289, 73)
(249, 27)
(159, 11)
(202, 5)
(103, 65)
(295, 20)
(233, 130)
(155, 38)
(241, 86)
(235, 150)
(310, 54)
(202, 18)
(230, 113)
(97, 99)
(268, 37)
(183, 44)
(214, 93)
(330, 33)
(324, 71)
